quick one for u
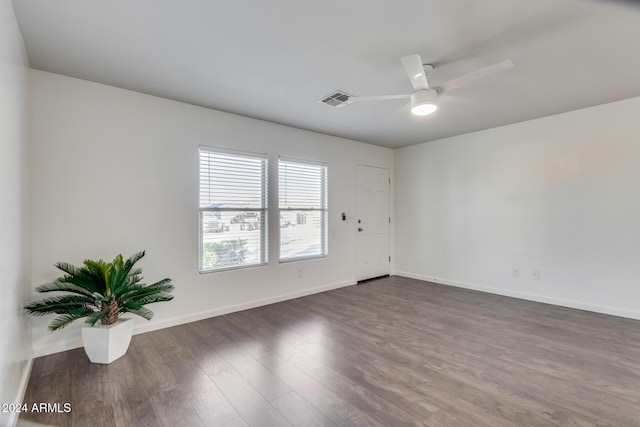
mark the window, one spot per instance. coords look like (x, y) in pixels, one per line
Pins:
(233, 209)
(303, 210)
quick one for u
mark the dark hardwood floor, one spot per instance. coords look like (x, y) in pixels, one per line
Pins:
(390, 352)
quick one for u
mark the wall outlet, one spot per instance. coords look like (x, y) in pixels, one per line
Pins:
(535, 274)
(515, 272)
(300, 272)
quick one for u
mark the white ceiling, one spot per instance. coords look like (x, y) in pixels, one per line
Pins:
(273, 60)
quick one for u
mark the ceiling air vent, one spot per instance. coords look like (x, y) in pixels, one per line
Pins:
(336, 99)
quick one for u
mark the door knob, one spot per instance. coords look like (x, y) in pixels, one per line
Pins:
(359, 228)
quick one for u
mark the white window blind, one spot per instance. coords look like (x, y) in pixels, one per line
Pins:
(303, 210)
(233, 209)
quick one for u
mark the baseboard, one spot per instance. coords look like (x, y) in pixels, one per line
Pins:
(141, 328)
(57, 347)
(179, 320)
(526, 296)
(22, 389)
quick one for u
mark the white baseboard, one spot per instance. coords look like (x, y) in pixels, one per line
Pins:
(141, 328)
(526, 296)
(22, 389)
(194, 317)
(58, 347)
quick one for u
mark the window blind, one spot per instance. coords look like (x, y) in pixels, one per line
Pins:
(233, 209)
(303, 209)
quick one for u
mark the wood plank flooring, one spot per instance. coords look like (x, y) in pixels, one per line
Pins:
(389, 352)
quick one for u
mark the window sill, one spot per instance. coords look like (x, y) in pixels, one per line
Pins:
(239, 267)
(306, 258)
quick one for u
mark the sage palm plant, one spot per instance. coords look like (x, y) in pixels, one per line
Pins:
(100, 291)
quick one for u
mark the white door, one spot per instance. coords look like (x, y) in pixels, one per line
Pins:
(373, 222)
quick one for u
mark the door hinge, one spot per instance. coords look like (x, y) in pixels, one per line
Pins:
(389, 258)
(389, 220)
(389, 181)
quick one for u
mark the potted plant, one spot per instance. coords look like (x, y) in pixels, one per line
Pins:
(101, 291)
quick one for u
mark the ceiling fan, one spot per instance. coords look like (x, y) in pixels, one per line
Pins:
(423, 98)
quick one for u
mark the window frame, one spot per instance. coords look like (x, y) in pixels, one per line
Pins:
(324, 209)
(263, 210)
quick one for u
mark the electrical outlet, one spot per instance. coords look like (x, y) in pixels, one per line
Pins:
(515, 272)
(535, 274)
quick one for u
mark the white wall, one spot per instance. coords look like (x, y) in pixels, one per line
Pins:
(117, 171)
(14, 216)
(560, 194)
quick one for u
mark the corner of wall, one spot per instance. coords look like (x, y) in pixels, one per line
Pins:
(15, 359)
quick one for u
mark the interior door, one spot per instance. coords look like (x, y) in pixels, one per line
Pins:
(373, 222)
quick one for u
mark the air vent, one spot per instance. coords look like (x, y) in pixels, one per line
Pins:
(336, 99)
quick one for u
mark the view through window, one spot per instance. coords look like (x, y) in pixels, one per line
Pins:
(303, 210)
(233, 209)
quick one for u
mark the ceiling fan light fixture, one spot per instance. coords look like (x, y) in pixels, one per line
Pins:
(423, 102)
(424, 109)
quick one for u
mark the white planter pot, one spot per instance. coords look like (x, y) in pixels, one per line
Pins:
(104, 344)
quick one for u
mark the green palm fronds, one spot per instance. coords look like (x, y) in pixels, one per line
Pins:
(59, 305)
(59, 285)
(100, 291)
(64, 319)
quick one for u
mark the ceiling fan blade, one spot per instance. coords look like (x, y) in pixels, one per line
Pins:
(402, 110)
(394, 117)
(475, 75)
(415, 71)
(376, 98)
(463, 102)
